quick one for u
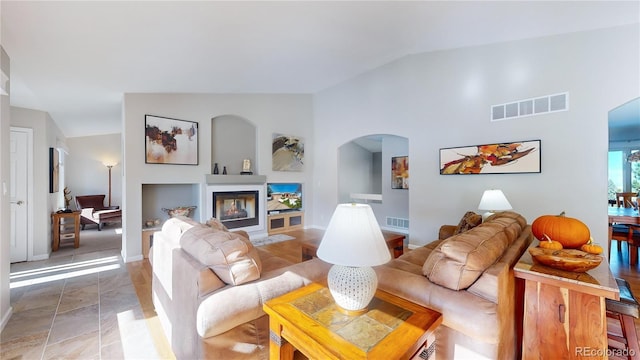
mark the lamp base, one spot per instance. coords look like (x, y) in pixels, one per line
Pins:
(352, 288)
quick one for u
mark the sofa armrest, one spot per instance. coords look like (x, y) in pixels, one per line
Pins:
(236, 305)
(446, 231)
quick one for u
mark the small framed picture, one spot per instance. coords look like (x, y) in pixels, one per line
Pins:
(400, 172)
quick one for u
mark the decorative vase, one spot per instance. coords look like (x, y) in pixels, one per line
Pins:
(215, 169)
(224, 170)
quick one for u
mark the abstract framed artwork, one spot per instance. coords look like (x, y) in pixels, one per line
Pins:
(170, 141)
(287, 153)
(54, 170)
(400, 172)
(498, 158)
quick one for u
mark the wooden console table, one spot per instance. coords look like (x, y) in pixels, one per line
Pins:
(307, 319)
(61, 228)
(564, 313)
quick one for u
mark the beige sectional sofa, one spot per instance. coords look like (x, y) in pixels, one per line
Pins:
(209, 286)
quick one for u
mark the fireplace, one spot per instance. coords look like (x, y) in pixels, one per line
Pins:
(236, 209)
(240, 206)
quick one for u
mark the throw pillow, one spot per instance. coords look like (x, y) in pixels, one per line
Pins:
(232, 257)
(216, 224)
(468, 222)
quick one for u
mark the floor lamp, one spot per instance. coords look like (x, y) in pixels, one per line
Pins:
(109, 167)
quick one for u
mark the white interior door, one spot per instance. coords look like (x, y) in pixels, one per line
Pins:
(19, 145)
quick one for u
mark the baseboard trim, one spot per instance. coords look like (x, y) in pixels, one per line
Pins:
(412, 246)
(5, 318)
(40, 257)
(132, 258)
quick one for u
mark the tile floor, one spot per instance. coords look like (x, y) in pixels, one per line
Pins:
(78, 304)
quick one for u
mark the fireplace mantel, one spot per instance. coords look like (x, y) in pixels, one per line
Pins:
(211, 179)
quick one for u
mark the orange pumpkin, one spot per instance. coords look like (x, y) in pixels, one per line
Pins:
(550, 244)
(571, 233)
(591, 248)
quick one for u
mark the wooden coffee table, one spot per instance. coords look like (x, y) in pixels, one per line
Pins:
(394, 241)
(308, 320)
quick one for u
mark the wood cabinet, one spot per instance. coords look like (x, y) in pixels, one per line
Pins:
(564, 313)
(286, 221)
(147, 240)
(65, 226)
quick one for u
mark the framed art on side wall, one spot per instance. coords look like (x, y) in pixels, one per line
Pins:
(54, 170)
(170, 141)
(400, 172)
(498, 158)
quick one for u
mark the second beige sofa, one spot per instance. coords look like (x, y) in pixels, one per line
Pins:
(209, 286)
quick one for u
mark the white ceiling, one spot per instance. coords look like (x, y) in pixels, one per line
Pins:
(75, 59)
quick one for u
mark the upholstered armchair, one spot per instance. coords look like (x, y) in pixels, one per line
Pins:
(93, 211)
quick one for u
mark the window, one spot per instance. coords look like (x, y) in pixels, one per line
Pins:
(635, 175)
(624, 176)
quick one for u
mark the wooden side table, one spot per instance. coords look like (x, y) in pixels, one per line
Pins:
(564, 313)
(394, 241)
(307, 319)
(62, 228)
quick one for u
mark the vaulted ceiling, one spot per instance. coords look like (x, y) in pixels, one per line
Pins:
(75, 59)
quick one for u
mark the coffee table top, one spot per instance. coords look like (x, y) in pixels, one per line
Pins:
(391, 328)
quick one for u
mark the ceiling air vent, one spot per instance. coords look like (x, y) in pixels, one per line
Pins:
(530, 107)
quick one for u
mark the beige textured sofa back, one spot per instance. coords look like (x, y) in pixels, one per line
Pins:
(460, 260)
(478, 321)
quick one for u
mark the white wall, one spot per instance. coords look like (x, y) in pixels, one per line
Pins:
(442, 99)
(355, 167)
(46, 134)
(86, 172)
(5, 217)
(287, 114)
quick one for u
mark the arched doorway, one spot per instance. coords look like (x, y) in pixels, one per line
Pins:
(365, 175)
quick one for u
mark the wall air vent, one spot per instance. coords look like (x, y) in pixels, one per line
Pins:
(398, 222)
(530, 107)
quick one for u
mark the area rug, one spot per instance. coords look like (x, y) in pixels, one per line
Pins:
(271, 239)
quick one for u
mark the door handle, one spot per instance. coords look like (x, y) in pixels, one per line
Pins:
(19, 202)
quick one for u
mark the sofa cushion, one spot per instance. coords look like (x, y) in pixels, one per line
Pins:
(468, 222)
(232, 257)
(216, 224)
(459, 260)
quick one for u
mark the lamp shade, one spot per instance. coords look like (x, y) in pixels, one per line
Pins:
(353, 238)
(494, 200)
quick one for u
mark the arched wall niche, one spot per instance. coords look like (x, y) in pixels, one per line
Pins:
(364, 175)
(233, 139)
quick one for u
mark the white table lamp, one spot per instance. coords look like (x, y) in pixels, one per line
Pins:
(493, 201)
(353, 242)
